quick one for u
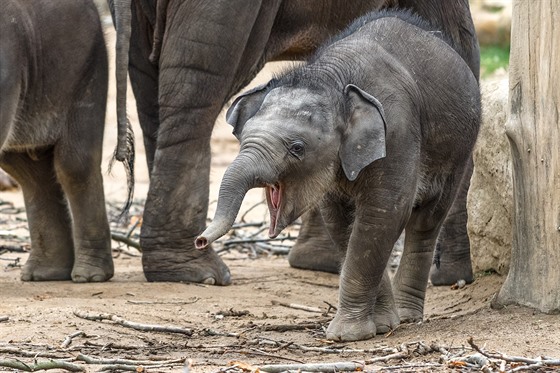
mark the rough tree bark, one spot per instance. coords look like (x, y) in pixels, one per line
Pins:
(533, 130)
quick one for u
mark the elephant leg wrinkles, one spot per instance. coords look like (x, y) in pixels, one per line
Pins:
(193, 85)
(52, 249)
(365, 291)
(79, 173)
(144, 82)
(422, 230)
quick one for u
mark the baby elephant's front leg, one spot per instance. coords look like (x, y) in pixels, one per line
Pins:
(365, 297)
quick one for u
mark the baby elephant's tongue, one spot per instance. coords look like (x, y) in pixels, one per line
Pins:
(273, 199)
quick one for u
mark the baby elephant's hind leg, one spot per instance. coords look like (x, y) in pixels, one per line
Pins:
(52, 252)
(422, 230)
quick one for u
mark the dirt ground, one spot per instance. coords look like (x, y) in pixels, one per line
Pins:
(243, 322)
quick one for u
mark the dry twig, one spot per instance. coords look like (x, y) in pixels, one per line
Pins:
(322, 367)
(41, 365)
(70, 337)
(179, 302)
(97, 361)
(257, 352)
(285, 328)
(133, 325)
(532, 363)
(33, 354)
(297, 306)
(126, 240)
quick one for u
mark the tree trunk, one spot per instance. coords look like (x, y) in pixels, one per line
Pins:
(533, 130)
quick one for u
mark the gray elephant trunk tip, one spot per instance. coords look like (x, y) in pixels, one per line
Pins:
(201, 242)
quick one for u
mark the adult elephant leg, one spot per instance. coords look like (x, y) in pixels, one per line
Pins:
(452, 258)
(314, 249)
(144, 81)
(175, 213)
(199, 59)
(50, 224)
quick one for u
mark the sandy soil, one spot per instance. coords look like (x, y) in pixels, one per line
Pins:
(234, 323)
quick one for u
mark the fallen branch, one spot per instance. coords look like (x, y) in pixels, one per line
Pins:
(97, 361)
(133, 325)
(26, 353)
(126, 240)
(285, 328)
(407, 350)
(257, 352)
(212, 332)
(42, 365)
(322, 367)
(334, 350)
(4, 318)
(297, 306)
(131, 368)
(110, 345)
(232, 313)
(70, 337)
(13, 249)
(255, 240)
(407, 367)
(179, 302)
(271, 249)
(402, 354)
(539, 362)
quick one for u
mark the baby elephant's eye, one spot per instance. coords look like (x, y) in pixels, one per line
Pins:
(297, 149)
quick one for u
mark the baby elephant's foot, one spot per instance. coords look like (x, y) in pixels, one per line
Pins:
(386, 319)
(41, 269)
(89, 268)
(356, 329)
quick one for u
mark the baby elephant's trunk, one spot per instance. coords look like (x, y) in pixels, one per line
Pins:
(235, 184)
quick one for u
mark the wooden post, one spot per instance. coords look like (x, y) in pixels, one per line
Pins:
(533, 130)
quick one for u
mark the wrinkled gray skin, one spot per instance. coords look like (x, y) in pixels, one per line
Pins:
(382, 120)
(53, 79)
(187, 59)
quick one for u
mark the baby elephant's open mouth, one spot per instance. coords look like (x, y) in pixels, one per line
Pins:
(274, 201)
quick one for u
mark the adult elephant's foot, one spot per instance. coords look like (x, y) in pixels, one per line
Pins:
(314, 249)
(345, 328)
(38, 268)
(410, 314)
(452, 257)
(450, 268)
(97, 267)
(315, 255)
(186, 265)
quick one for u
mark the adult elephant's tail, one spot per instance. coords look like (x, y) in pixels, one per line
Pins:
(124, 151)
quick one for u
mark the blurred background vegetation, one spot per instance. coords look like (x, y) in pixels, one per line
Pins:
(492, 19)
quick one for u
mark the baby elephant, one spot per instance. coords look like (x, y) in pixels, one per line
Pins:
(53, 79)
(378, 128)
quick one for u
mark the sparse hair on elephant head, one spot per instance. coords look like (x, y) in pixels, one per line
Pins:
(363, 136)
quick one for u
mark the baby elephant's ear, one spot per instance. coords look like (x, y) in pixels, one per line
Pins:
(244, 107)
(363, 140)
